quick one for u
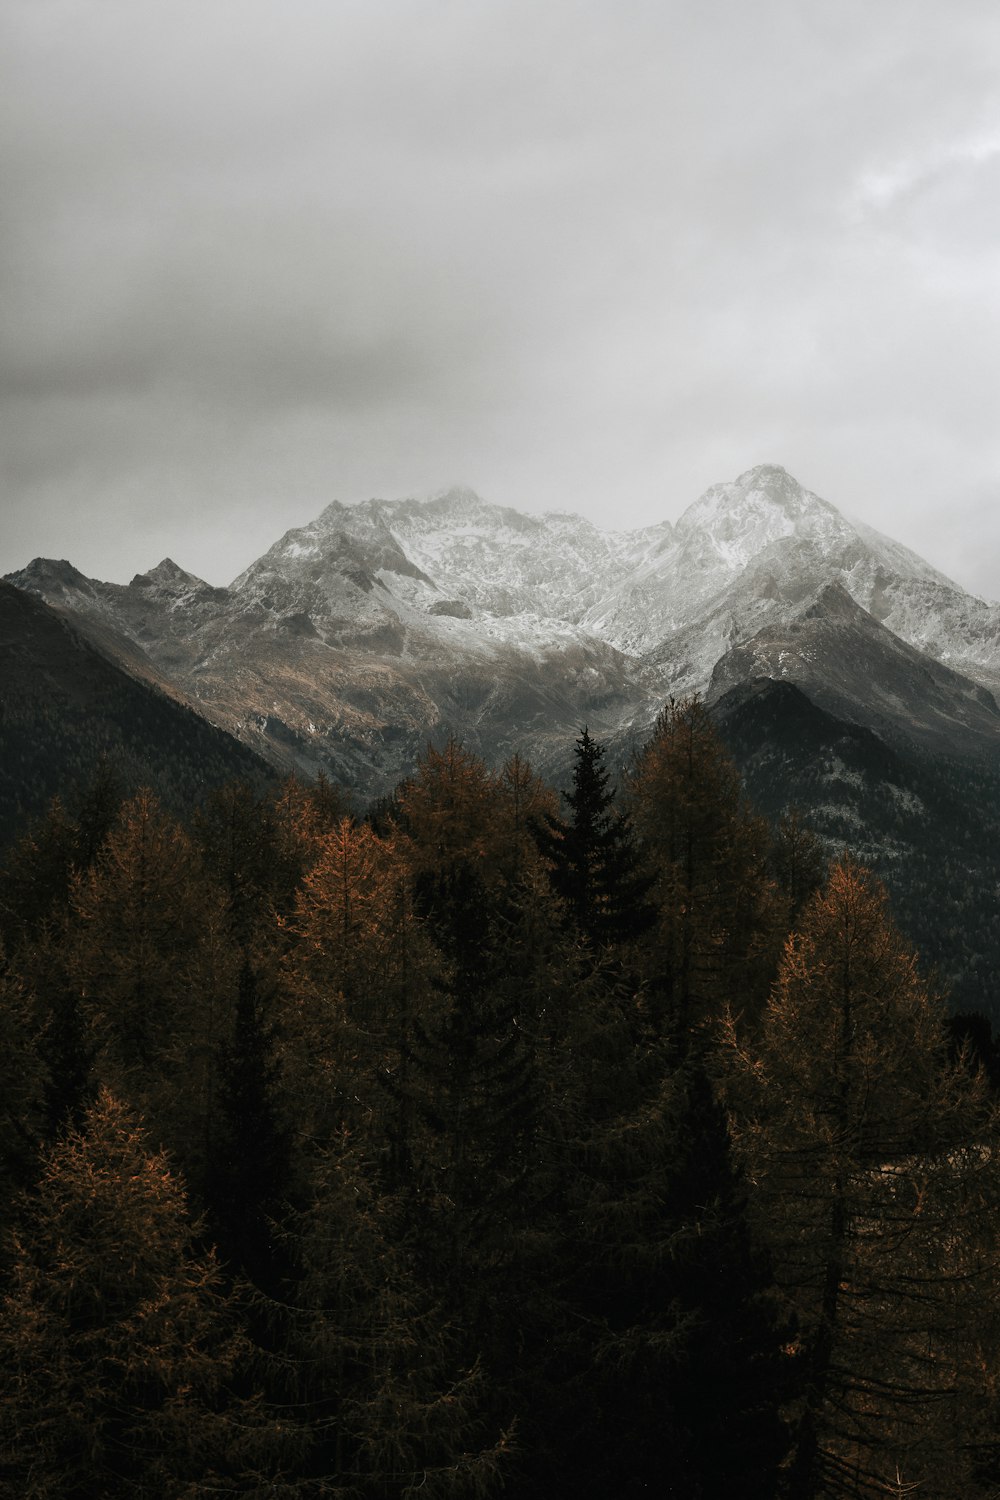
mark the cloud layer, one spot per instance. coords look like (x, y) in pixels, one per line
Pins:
(579, 256)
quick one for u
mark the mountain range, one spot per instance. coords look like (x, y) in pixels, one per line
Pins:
(378, 626)
(356, 638)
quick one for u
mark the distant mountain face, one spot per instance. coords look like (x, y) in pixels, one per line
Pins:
(926, 822)
(356, 638)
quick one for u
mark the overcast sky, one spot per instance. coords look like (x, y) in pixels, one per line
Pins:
(257, 255)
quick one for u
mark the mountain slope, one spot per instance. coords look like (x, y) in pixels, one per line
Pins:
(64, 706)
(334, 652)
(927, 824)
(376, 626)
(850, 664)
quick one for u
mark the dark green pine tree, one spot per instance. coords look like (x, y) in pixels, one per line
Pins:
(732, 1372)
(249, 1166)
(472, 1101)
(665, 1364)
(595, 866)
(472, 1073)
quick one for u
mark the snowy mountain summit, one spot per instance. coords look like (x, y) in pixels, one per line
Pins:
(744, 517)
(356, 637)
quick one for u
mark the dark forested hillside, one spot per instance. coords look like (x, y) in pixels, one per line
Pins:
(500, 1143)
(927, 824)
(64, 708)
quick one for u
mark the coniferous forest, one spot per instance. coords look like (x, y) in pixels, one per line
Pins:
(595, 1146)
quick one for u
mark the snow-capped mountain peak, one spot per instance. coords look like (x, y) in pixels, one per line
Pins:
(742, 518)
(348, 616)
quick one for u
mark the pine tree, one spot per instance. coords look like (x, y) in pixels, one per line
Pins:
(391, 1409)
(248, 1171)
(595, 867)
(661, 1365)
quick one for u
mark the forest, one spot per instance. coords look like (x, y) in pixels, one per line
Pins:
(579, 1146)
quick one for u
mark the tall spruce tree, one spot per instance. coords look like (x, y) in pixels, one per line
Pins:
(732, 1374)
(662, 1367)
(390, 1404)
(248, 1172)
(472, 1084)
(595, 867)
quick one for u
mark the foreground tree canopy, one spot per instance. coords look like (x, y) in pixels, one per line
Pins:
(609, 1146)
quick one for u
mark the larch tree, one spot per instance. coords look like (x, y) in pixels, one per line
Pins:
(150, 956)
(876, 1189)
(95, 809)
(118, 1354)
(797, 862)
(300, 817)
(354, 972)
(36, 875)
(450, 811)
(59, 1024)
(523, 801)
(237, 835)
(717, 913)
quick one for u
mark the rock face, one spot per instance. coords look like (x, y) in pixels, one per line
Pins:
(356, 638)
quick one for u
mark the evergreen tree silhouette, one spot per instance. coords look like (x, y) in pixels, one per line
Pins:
(595, 866)
(732, 1373)
(248, 1171)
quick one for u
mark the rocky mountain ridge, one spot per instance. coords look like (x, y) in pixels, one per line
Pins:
(357, 637)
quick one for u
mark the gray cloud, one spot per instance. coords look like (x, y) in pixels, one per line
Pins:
(578, 255)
